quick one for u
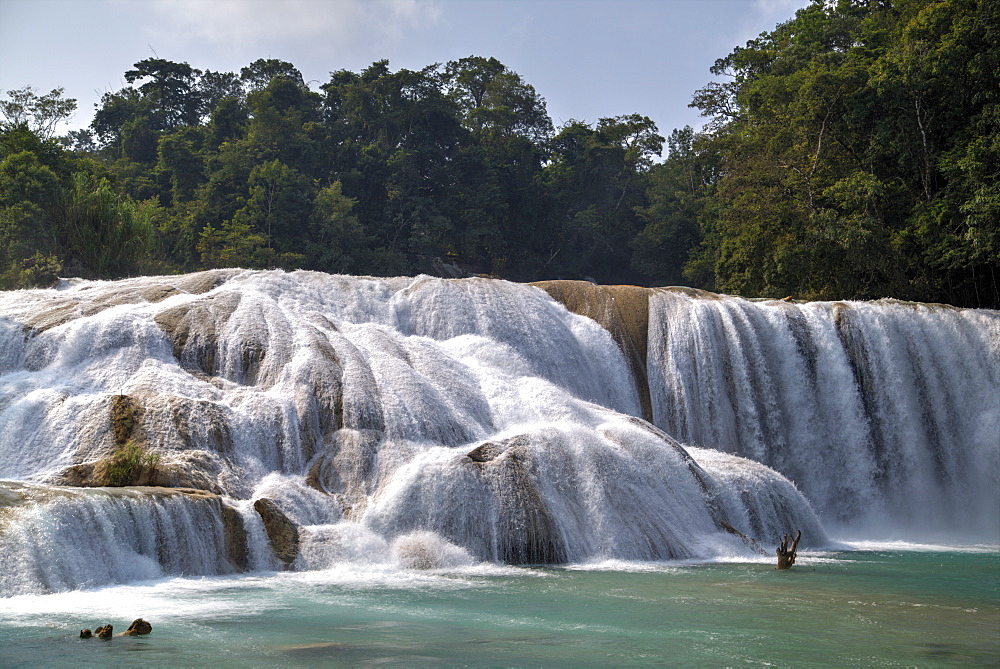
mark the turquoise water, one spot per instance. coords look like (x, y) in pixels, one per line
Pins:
(861, 608)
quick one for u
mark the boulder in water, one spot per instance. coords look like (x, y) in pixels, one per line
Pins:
(281, 532)
(137, 628)
(235, 536)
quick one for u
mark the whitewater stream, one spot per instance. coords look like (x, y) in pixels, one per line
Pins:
(461, 437)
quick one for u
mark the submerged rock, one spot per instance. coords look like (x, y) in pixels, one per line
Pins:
(139, 627)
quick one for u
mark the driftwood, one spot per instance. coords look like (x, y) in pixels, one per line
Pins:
(786, 553)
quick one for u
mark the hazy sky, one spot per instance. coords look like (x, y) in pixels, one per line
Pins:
(587, 58)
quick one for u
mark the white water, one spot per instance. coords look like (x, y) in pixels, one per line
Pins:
(352, 403)
(886, 414)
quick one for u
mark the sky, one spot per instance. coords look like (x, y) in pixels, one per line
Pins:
(589, 59)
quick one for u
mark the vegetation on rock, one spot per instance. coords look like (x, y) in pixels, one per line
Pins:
(125, 464)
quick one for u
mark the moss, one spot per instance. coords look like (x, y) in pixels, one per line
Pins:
(125, 414)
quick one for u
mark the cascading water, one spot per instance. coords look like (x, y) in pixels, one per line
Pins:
(885, 414)
(421, 422)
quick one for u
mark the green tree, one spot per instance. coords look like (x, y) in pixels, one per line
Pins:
(840, 135)
(170, 91)
(595, 183)
(679, 194)
(105, 235)
(41, 114)
(336, 241)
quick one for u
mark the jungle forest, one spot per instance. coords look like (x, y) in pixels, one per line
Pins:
(851, 153)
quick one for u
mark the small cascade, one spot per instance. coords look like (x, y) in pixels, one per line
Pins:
(57, 538)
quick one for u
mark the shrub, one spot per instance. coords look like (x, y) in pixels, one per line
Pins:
(124, 466)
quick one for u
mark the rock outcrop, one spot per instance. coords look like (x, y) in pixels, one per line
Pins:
(529, 534)
(621, 310)
(139, 627)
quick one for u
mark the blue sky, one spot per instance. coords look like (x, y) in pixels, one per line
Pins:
(588, 58)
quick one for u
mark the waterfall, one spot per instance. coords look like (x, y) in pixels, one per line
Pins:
(57, 538)
(303, 421)
(885, 414)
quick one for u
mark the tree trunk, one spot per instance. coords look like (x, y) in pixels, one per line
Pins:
(786, 553)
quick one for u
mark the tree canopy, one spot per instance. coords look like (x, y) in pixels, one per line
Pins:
(852, 152)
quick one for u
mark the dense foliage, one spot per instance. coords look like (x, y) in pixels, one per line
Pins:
(850, 153)
(854, 151)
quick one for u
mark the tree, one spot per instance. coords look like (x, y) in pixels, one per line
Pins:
(839, 138)
(27, 191)
(679, 192)
(216, 87)
(595, 182)
(179, 159)
(278, 207)
(336, 239)
(104, 234)
(41, 114)
(259, 74)
(169, 90)
(495, 101)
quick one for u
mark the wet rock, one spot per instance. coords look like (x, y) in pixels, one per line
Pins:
(138, 627)
(202, 282)
(104, 632)
(281, 532)
(193, 330)
(529, 533)
(158, 293)
(126, 414)
(200, 424)
(485, 452)
(86, 634)
(347, 469)
(167, 475)
(621, 310)
(235, 536)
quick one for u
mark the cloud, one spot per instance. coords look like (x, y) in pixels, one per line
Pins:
(778, 7)
(239, 23)
(765, 16)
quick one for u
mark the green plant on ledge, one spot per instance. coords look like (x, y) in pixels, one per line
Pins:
(126, 463)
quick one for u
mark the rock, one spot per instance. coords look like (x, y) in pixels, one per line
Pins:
(235, 538)
(86, 634)
(203, 282)
(485, 452)
(281, 532)
(104, 632)
(193, 327)
(126, 413)
(530, 534)
(137, 628)
(621, 310)
(348, 469)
